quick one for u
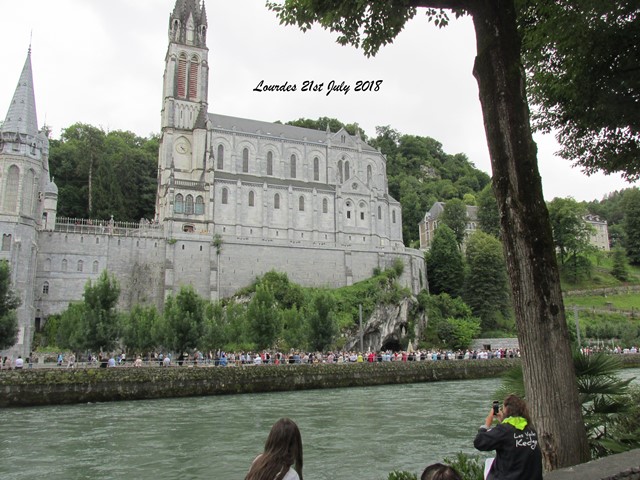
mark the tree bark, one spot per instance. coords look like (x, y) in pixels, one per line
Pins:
(549, 375)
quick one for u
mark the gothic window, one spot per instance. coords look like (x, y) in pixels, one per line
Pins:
(393, 216)
(193, 78)
(301, 203)
(346, 171)
(252, 198)
(340, 171)
(80, 265)
(225, 196)
(45, 288)
(220, 160)
(245, 160)
(293, 166)
(269, 163)
(11, 193)
(47, 265)
(6, 242)
(316, 169)
(379, 212)
(178, 206)
(276, 201)
(28, 193)
(325, 205)
(348, 205)
(95, 266)
(182, 76)
(64, 265)
(369, 175)
(361, 215)
(188, 205)
(199, 205)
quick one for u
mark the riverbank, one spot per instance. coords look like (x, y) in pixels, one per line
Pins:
(34, 387)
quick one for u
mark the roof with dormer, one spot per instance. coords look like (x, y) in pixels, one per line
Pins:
(281, 131)
(21, 117)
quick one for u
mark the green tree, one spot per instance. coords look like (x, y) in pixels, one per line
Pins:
(214, 337)
(184, 316)
(101, 320)
(8, 304)
(632, 225)
(571, 235)
(264, 318)
(486, 288)
(138, 329)
(488, 216)
(455, 217)
(323, 327)
(526, 231)
(620, 269)
(458, 333)
(294, 329)
(72, 329)
(445, 268)
(333, 124)
(582, 62)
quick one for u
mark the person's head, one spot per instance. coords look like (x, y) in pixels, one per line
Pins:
(282, 449)
(514, 406)
(438, 471)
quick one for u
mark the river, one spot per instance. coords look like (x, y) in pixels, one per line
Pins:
(356, 433)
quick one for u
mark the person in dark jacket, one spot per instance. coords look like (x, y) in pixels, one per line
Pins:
(518, 455)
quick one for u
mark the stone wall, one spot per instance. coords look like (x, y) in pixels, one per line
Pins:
(32, 387)
(623, 466)
(151, 268)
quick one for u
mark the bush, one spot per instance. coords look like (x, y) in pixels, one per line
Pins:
(470, 467)
(401, 475)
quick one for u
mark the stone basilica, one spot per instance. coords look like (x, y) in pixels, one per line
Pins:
(236, 198)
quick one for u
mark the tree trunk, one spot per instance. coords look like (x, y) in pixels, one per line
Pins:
(549, 376)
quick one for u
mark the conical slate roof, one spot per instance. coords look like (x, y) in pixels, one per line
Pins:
(21, 117)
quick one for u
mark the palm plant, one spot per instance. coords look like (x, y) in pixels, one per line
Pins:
(605, 398)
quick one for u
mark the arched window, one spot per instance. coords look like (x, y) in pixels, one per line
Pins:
(293, 166)
(225, 196)
(362, 208)
(276, 201)
(178, 206)
(28, 193)
(269, 163)
(316, 169)
(6, 242)
(193, 78)
(199, 205)
(80, 265)
(188, 205)
(369, 175)
(339, 174)
(252, 198)
(182, 76)
(220, 160)
(348, 205)
(347, 174)
(301, 203)
(245, 160)
(45, 288)
(11, 192)
(95, 266)
(379, 212)
(393, 216)
(64, 265)
(325, 205)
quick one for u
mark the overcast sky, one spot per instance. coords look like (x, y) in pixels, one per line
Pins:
(101, 62)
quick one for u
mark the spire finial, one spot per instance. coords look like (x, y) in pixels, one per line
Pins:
(30, 40)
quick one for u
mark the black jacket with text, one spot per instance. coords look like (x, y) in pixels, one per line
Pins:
(518, 455)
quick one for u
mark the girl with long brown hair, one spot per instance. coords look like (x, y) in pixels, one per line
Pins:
(282, 456)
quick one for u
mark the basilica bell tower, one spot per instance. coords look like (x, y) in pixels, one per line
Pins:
(183, 198)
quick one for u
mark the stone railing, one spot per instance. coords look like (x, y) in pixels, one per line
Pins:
(143, 228)
(623, 466)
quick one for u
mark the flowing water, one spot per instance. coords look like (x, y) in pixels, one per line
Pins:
(356, 433)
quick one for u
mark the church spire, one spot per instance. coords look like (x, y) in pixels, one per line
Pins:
(188, 23)
(21, 117)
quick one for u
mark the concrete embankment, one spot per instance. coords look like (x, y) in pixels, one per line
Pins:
(44, 386)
